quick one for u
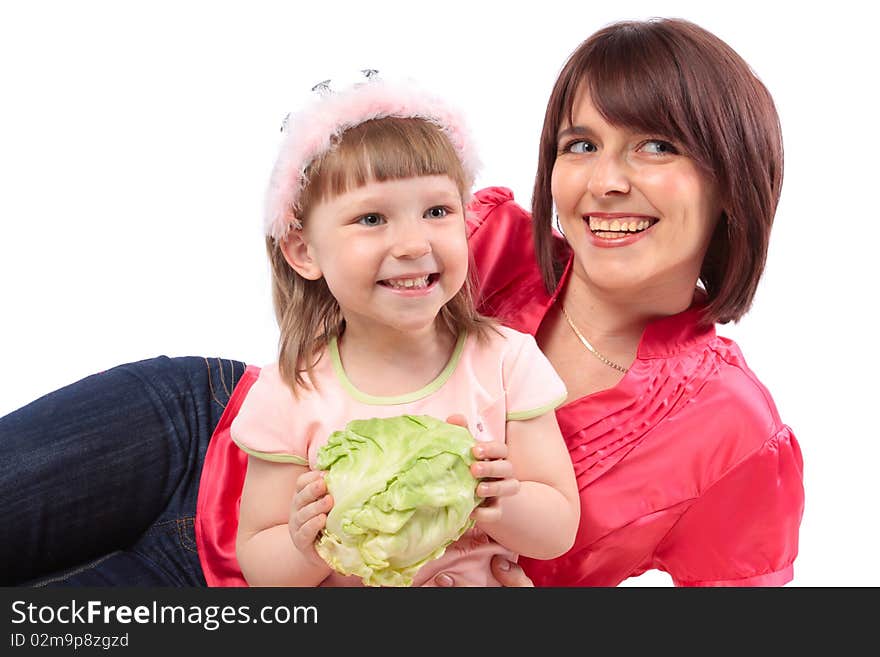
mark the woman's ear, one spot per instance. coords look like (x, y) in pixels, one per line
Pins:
(299, 255)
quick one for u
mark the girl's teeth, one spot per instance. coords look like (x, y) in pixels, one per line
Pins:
(409, 282)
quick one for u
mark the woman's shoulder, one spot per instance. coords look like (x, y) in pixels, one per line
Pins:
(692, 357)
(494, 210)
(742, 386)
(485, 200)
(703, 380)
(504, 267)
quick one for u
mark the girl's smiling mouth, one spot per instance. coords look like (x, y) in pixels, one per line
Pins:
(415, 283)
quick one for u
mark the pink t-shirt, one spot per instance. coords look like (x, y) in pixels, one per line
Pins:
(505, 377)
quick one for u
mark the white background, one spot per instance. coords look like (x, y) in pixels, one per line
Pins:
(136, 140)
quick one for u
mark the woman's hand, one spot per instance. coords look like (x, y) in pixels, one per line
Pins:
(505, 571)
(497, 479)
(308, 513)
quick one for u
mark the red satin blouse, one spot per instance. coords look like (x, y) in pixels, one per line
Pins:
(683, 466)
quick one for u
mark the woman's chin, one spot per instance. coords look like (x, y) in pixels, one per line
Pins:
(618, 278)
(623, 289)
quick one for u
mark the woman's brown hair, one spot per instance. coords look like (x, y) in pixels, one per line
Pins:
(381, 149)
(672, 78)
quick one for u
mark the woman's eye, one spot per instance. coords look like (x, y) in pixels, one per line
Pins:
(371, 220)
(579, 146)
(436, 213)
(659, 147)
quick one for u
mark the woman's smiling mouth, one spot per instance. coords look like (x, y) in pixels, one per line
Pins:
(618, 226)
(617, 229)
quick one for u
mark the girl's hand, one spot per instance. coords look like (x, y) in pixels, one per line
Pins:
(308, 513)
(497, 478)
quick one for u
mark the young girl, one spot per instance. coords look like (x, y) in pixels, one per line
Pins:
(366, 236)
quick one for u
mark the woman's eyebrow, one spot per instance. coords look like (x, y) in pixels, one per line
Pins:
(574, 131)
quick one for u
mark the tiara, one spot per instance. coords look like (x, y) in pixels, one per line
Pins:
(309, 133)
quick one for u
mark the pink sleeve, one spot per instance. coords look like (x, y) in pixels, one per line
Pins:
(743, 531)
(265, 427)
(531, 385)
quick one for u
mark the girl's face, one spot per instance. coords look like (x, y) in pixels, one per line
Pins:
(636, 210)
(392, 253)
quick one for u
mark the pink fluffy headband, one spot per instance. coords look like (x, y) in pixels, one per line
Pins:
(309, 133)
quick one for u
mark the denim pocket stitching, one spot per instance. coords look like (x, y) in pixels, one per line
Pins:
(186, 533)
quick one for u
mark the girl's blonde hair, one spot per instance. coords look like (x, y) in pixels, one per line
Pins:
(382, 149)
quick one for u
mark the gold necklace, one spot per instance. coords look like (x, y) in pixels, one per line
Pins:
(591, 348)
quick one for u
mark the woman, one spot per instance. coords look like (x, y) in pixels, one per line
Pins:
(662, 155)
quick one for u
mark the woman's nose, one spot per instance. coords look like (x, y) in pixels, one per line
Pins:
(608, 176)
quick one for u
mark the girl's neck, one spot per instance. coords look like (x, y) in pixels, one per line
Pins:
(395, 362)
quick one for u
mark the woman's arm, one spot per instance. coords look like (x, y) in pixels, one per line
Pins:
(280, 501)
(743, 529)
(539, 517)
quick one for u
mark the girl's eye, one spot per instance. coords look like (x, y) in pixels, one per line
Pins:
(579, 146)
(658, 147)
(371, 220)
(436, 212)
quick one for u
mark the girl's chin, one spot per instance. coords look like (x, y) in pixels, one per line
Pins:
(413, 326)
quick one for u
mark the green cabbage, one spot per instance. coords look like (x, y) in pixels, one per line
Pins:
(402, 491)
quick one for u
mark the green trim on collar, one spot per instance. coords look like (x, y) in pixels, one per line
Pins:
(406, 398)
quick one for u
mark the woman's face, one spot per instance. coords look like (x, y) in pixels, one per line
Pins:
(636, 210)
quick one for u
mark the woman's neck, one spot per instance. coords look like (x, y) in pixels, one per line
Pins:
(617, 318)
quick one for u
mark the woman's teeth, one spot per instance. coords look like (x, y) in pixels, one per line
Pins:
(632, 226)
(407, 283)
(610, 228)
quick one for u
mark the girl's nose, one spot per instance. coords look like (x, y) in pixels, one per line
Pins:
(410, 240)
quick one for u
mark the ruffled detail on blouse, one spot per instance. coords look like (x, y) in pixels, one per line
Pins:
(601, 429)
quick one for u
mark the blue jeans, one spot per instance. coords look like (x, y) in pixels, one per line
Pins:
(99, 479)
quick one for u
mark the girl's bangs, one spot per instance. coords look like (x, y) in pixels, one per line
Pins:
(380, 150)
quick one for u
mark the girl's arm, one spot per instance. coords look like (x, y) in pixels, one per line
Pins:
(283, 507)
(539, 517)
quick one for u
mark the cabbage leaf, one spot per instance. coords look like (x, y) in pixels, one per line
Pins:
(402, 491)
